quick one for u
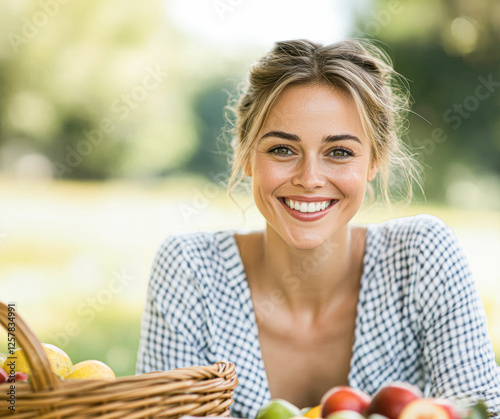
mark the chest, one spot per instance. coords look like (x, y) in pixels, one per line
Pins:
(302, 364)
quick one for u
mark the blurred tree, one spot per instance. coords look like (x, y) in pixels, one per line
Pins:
(211, 155)
(91, 86)
(449, 50)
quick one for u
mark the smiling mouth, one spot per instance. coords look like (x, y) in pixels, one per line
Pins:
(308, 206)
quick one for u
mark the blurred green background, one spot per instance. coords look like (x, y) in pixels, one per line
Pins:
(113, 135)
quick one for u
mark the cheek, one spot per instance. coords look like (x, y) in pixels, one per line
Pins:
(267, 175)
(351, 181)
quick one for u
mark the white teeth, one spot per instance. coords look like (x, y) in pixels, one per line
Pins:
(307, 207)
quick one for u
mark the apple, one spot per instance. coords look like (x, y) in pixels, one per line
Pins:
(424, 409)
(478, 411)
(390, 399)
(278, 409)
(346, 414)
(20, 376)
(3, 375)
(344, 398)
(450, 407)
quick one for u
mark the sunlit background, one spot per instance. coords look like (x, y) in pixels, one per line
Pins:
(112, 137)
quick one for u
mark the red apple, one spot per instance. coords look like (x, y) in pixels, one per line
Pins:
(3, 375)
(424, 409)
(344, 398)
(391, 398)
(450, 407)
(20, 376)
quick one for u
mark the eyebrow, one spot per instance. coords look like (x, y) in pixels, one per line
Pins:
(293, 137)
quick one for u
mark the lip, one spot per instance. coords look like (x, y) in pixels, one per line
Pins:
(308, 216)
(304, 198)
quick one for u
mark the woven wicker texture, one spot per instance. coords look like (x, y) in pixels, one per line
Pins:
(195, 391)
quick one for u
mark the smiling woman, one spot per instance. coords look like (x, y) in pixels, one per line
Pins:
(314, 301)
(357, 69)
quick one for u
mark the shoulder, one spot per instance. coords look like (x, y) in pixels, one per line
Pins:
(412, 231)
(421, 240)
(196, 245)
(421, 223)
(421, 247)
(190, 263)
(193, 255)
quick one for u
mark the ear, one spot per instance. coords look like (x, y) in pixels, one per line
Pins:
(372, 170)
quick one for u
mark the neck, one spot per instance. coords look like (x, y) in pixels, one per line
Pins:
(310, 281)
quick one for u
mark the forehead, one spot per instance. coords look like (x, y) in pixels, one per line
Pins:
(314, 109)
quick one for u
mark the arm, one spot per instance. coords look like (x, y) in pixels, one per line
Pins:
(457, 349)
(173, 325)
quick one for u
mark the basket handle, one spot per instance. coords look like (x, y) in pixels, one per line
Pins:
(42, 376)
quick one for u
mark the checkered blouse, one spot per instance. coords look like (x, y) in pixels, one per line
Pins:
(419, 316)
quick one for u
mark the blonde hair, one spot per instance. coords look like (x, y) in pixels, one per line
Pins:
(357, 67)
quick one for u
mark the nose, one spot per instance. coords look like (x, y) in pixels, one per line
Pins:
(309, 173)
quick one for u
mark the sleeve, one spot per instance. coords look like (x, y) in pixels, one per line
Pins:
(457, 349)
(173, 326)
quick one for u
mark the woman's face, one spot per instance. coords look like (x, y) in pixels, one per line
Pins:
(310, 164)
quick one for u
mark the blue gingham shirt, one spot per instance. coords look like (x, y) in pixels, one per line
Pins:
(419, 315)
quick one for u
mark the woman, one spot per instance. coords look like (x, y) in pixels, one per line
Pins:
(313, 301)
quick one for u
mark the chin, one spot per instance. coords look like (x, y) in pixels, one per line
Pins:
(304, 241)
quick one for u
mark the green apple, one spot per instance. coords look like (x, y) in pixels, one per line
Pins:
(278, 409)
(478, 411)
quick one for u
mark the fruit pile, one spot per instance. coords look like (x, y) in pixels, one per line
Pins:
(396, 400)
(16, 368)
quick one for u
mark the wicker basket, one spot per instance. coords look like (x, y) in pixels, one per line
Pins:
(195, 391)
